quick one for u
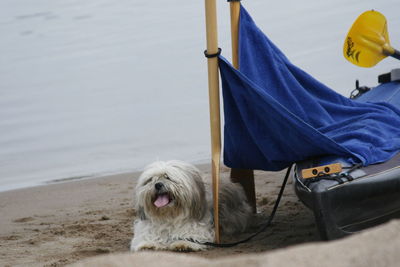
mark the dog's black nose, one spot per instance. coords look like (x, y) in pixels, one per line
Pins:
(158, 186)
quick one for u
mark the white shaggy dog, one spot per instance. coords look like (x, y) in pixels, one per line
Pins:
(173, 206)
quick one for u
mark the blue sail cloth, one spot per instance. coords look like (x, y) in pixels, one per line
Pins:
(276, 114)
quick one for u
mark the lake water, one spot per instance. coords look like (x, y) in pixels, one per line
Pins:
(94, 87)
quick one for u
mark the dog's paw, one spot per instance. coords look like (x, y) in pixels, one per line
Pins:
(186, 246)
(145, 246)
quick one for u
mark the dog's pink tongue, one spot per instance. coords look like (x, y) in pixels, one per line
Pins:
(161, 201)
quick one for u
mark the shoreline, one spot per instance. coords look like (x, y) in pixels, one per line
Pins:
(25, 185)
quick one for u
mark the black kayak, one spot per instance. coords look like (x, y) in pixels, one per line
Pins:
(352, 198)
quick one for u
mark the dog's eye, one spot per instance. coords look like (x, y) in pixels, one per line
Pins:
(167, 177)
(148, 181)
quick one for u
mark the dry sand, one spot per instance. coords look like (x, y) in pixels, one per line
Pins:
(377, 247)
(61, 223)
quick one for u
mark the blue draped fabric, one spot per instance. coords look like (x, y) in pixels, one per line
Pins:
(276, 114)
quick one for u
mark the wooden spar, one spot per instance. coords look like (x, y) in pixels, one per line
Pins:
(213, 90)
(235, 12)
(242, 176)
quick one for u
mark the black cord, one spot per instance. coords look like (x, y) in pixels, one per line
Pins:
(271, 217)
(212, 55)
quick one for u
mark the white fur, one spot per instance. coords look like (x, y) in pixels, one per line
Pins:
(189, 214)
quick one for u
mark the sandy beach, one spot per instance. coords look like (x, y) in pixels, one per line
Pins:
(64, 222)
(90, 88)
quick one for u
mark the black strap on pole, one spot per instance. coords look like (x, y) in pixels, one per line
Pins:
(212, 55)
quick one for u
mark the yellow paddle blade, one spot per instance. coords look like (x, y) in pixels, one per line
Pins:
(367, 42)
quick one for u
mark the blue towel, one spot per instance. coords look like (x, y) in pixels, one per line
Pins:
(276, 114)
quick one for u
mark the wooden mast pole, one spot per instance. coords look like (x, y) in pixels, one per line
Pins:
(213, 87)
(235, 13)
(242, 176)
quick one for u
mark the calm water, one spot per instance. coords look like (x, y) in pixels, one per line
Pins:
(96, 87)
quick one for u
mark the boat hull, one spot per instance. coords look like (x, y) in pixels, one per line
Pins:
(370, 198)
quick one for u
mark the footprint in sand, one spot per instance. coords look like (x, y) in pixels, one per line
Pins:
(24, 219)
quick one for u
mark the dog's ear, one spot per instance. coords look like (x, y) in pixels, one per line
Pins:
(198, 210)
(199, 203)
(141, 213)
